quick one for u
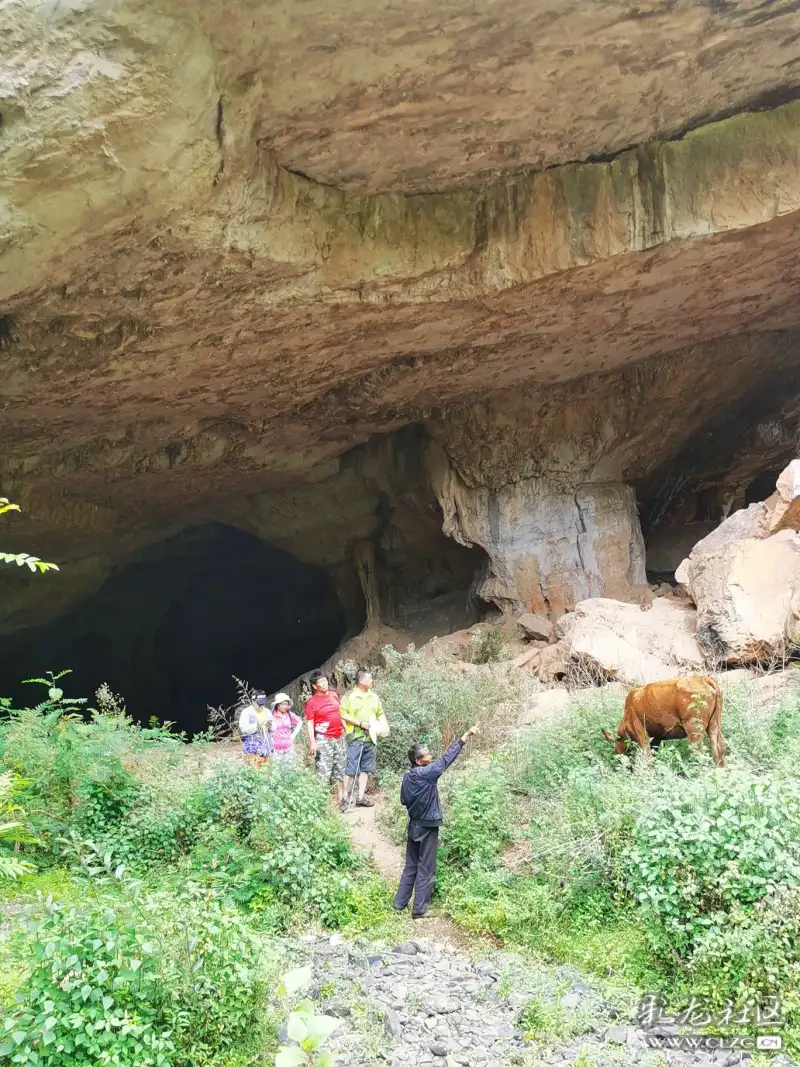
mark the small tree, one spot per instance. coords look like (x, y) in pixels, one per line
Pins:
(22, 559)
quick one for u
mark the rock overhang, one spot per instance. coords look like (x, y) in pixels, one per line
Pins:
(213, 296)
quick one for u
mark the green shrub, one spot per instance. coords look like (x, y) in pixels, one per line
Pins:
(306, 853)
(13, 831)
(754, 954)
(430, 699)
(148, 980)
(479, 819)
(104, 797)
(487, 646)
(702, 846)
(74, 763)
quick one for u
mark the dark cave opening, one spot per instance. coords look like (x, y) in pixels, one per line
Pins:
(762, 486)
(171, 629)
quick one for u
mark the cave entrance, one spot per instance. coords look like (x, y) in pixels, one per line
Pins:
(171, 629)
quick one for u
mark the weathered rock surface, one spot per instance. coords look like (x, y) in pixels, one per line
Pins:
(239, 244)
(537, 627)
(748, 598)
(744, 578)
(622, 642)
(784, 506)
(546, 549)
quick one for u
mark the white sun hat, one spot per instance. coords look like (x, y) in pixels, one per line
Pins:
(281, 698)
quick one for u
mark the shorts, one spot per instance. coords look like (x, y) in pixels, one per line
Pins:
(366, 752)
(287, 757)
(330, 758)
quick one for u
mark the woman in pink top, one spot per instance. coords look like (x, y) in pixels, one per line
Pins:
(284, 728)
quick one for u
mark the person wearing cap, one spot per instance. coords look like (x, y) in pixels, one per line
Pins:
(364, 718)
(284, 729)
(254, 724)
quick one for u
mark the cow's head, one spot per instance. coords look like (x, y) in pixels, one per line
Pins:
(620, 747)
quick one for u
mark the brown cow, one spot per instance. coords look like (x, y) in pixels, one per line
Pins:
(665, 711)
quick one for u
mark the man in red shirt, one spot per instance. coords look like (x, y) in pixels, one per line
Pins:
(326, 734)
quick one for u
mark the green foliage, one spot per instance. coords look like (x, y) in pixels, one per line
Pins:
(22, 559)
(487, 646)
(13, 831)
(429, 699)
(755, 952)
(702, 846)
(148, 979)
(479, 819)
(74, 762)
(541, 1020)
(308, 1030)
(307, 858)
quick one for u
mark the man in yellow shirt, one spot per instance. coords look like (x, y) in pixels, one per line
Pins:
(359, 708)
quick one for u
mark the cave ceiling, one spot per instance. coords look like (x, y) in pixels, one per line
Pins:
(239, 242)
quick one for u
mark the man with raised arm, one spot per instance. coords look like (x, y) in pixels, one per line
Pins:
(419, 795)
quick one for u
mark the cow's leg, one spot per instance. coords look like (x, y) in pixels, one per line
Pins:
(641, 737)
(694, 731)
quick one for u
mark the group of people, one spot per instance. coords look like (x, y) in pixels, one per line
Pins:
(342, 738)
(342, 733)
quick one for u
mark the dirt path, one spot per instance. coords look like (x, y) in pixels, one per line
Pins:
(370, 839)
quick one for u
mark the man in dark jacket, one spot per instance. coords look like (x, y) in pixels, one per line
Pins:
(419, 795)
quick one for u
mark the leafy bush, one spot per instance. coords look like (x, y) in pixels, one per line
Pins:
(479, 819)
(753, 954)
(304, 1026)
(702, 846)
(430, 699)
(73, 762)
(13, 831)
(150, 980)
(487, 646)
(307, 856)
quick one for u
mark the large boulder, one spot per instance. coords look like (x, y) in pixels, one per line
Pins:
(747, 595)
(536, 627)
(621, 641)
(784, 505)
(744, 578)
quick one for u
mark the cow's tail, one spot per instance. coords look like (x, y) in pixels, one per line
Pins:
(715, 725)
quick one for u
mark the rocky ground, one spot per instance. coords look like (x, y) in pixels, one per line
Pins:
(445, 999)
(426, 1002)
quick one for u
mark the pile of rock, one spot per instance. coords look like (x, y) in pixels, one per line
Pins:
(423, 1003)
(429, 1004)
(737, 602)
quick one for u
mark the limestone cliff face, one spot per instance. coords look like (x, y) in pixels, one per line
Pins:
(547, 548)
(241, 246)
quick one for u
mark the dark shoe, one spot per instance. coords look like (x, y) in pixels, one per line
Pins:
(344, 805)
(420, 915)
(397, 907)
(362, 802)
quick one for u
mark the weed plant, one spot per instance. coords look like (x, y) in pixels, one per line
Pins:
(149, 951)
(431, 699)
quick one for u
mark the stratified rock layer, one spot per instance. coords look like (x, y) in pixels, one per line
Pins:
(239, 243)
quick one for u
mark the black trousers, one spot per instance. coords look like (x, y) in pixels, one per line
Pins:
(420, 869)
